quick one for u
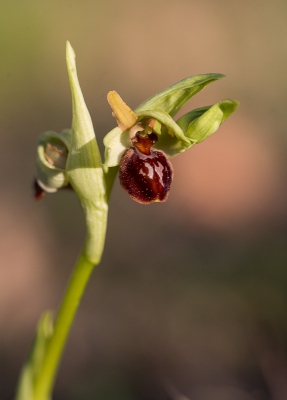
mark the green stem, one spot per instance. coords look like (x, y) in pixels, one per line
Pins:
(45, 379)
(76, 287)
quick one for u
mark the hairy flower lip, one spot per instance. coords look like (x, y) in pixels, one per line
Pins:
(142, 155)
(140, 188)
(145, 174)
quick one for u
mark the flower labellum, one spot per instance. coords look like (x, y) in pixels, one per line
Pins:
(145, 174)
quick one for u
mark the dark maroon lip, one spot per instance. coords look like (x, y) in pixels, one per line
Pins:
(145, 174)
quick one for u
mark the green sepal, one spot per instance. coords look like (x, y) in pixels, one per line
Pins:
(187, 118)
(84, 167)
(33, 364)
(200, 123)
(174, 97)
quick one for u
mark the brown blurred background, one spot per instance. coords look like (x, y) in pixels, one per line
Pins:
(190, 300)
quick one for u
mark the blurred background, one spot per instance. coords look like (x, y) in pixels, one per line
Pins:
(190, 301)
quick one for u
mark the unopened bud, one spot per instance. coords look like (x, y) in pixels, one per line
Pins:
(52, 153)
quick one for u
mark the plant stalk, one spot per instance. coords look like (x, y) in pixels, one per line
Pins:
(45, 380)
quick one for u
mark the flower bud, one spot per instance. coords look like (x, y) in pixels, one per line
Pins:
(52, 153)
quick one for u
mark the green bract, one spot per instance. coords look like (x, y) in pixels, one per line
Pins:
(175, 136)
(84, 167)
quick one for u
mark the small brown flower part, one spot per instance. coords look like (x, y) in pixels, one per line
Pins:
(145, 174)
(39, 193)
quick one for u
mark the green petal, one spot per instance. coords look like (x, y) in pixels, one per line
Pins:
(173, 98)
(186, 119)
(199, 124)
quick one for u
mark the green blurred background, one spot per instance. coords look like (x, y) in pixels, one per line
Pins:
(190, 299)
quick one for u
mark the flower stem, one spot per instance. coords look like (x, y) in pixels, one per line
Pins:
(75, 289)
(96, 219)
